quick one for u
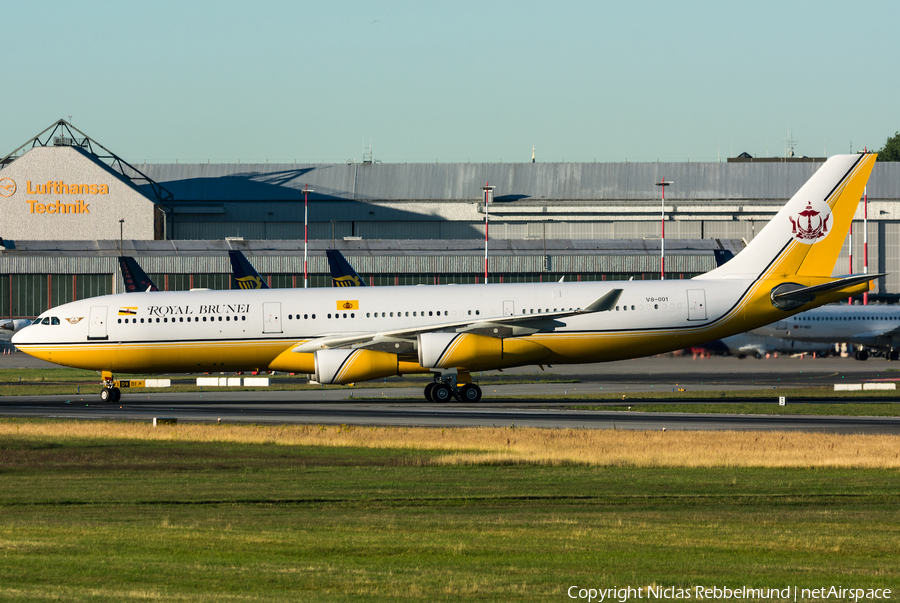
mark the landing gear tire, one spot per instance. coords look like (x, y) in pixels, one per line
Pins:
(116, 394)
(470, 393)
(862, 355)
(428, 389)
(106, 394)
(893, 355)
(441, 393)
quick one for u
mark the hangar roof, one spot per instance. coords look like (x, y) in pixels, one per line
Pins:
(513, 181)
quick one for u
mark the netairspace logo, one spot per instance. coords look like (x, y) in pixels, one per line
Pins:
(717, 593)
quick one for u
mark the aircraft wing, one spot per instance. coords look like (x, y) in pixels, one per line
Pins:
(602, 304)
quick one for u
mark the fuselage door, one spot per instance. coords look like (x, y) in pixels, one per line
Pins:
(509, 307)
(272, 317)
(696, 304)
(97, 325)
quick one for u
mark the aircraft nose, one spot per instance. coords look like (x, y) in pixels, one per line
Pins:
(21, 336)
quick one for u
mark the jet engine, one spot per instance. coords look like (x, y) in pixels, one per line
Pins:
(348, 366)
(476, 352)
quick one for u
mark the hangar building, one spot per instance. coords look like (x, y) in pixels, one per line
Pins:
(70, 206)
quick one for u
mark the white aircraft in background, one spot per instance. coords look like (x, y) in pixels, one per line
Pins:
(348, 335)
(758, 346)
(864, 326)
(10, 326)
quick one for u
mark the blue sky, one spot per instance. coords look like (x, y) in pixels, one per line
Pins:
(453, 81)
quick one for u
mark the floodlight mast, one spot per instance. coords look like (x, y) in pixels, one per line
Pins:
(306, 192)
(488, 197)
(662, 248)
(866, 239)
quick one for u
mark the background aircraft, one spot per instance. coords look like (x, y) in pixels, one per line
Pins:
(10, 326)
(865, 326)
(134, 277)
(243, 274)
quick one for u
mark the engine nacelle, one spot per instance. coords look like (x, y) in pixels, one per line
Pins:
(290, 362)
(476, 352)
(348, 366)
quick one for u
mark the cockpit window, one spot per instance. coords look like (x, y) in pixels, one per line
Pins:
(46, 321)
(36, 321)
(54, 320)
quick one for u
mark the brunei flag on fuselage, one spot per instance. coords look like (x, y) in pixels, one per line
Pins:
(128, 311)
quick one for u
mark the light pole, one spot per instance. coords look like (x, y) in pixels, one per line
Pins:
(662, 248)
(866, 239)
(306, 192)
(488, 196)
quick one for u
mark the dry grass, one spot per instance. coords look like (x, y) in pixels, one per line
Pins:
(516, 445)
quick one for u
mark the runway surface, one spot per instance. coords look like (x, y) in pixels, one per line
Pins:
(546, 407)
(301, 408)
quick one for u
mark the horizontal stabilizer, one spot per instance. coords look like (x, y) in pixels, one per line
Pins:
(785, 295)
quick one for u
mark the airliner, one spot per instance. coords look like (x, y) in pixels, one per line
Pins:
(450, 331)
(133, 276)
(342, 273)
(751, 344)
(243, 274)
(10, 326)
(865, 326)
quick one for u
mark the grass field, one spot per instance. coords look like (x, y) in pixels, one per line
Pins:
(122, 512)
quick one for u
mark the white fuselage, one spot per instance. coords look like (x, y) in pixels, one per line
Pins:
(660, 315)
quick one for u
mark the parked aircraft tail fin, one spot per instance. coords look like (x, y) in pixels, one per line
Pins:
(243, 275)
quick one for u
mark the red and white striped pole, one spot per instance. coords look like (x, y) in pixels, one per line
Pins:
(488, 194)
(662, 248)
(866, 234)
(850, 253)
(306, 192)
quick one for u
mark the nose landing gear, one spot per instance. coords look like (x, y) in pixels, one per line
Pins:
(109, 393)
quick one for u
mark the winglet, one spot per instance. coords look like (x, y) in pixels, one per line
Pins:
(605, 303)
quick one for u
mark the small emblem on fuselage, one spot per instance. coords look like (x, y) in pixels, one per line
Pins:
(75, 320)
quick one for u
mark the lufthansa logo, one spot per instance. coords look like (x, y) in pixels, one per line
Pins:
(7, 187)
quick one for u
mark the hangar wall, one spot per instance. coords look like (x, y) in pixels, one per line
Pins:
(61, 193)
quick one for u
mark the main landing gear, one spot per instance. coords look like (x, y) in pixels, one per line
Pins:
(109, 393)
(446, 387)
